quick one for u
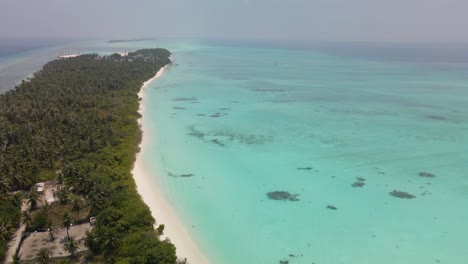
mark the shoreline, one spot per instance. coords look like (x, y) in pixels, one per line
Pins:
(160, 208)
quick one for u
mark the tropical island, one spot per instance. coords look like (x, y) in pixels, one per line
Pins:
(128, 40)
(68, 140)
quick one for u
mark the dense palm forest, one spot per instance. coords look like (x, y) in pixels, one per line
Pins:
(75, 122)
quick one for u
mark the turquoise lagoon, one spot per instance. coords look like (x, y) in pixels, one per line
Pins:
(228, 124)
(245, 121)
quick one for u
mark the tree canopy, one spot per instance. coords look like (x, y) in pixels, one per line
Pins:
(78, 116)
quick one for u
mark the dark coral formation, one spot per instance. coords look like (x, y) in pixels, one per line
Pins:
(402, 195)
(162, 87)
(331, 207)
(434, 117)
(195, 133)
(379, 170)
(283, 196)
(278, 101)
(186, 99)
(217, 142)
(427, 175)
(359, 184)
(266, 90)
(305, 168)
(426, 192)
(219, 114)
(179, 107)
(228, 136)
(180, 175)
(246, 139)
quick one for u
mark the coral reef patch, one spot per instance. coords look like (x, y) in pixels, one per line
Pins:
(283, 196)
(402, 195)
(427, 175)
(435, 117)
(305, 168)
(358, 184)
(188, 175)
(225, 137)
(185, 99)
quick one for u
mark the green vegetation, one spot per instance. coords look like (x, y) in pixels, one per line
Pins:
(71, 246)
(9, 220)
(76, 121)
(43, 256)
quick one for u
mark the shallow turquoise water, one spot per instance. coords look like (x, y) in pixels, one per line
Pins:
(243, 120)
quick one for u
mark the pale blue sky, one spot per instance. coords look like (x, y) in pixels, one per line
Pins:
(347, 20)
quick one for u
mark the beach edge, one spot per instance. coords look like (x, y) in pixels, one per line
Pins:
(153, 197)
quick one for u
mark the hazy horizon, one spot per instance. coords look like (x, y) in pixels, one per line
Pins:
(433, 21)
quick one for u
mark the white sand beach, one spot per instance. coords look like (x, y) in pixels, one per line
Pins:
(154, 198)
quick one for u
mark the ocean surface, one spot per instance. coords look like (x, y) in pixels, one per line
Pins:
(320, 154)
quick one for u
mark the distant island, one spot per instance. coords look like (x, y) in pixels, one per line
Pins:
(128, 40)
(68, 140)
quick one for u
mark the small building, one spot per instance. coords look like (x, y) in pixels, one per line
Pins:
(92, 221)
(40, 187)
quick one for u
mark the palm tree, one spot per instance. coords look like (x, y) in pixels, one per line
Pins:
(43, 255)
(70, 171)
(71, 246)
(63, 261)
(16, 259)
(18, 199)
(76, 205)
(32, 199)
(26, 219)
(60, 179)
(5, 186)
(160, 229)
(19, 181)
(66, 222)
(46, 208)
(63, 195)
(95, 204)
(96, 198)
(51, 229)
(5, 231)
(110, 242)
